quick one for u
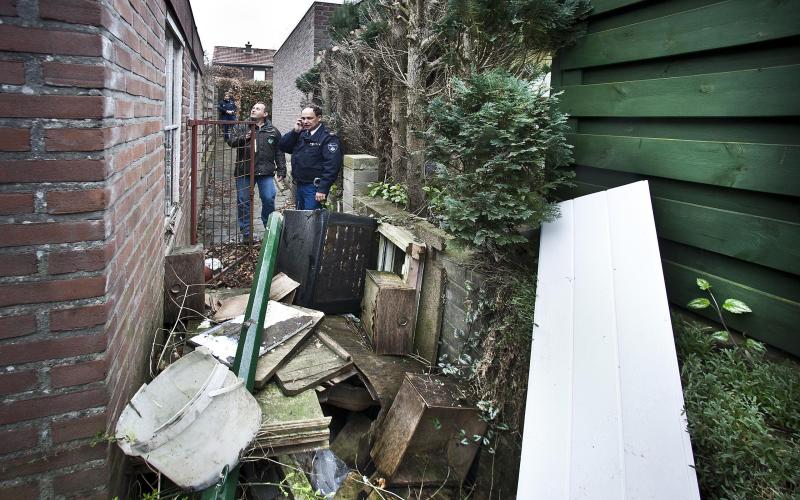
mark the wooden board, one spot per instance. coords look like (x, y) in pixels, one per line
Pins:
(184, 284)
(719, 25)
(282, 287)
(382, 374)
(319, 359)
(736, 93)
(604, 405)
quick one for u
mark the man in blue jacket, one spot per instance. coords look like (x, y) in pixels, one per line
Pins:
(316, 158)
(227, 112)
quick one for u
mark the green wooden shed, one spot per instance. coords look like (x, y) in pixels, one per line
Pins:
(701, 98)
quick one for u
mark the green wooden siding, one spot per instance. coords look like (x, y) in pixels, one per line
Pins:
(702, 99)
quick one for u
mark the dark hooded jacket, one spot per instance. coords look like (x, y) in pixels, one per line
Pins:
(269, 159)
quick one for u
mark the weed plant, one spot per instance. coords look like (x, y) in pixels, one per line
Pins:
(744, 418)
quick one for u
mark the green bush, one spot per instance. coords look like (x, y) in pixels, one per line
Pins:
(744, 418)
(499, 150)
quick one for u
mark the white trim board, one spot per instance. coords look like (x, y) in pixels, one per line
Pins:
(604, 413)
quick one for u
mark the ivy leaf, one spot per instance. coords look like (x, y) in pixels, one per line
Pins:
(437, 424)
(700, 303)
(736, 306)
(703, 284)
(721, 336)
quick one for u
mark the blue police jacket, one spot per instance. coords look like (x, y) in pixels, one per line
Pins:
(226, 105)
(314, 156)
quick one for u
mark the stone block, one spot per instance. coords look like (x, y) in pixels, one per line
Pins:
(361, 162)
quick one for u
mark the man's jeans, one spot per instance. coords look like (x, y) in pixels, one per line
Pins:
(266, 191)
(306, 194)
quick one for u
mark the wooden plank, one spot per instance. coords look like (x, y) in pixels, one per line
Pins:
(184, 284)
(723, 24)
(641, 12)
(402, 238)
(767, 92)
(604, 405)
(772, 168)
(759, 56)
(601, 6)
(314, 363)
(382, 374)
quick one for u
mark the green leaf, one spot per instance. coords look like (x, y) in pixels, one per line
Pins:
(703, 284)
(736, 306)
(699, 303)
(437, 424)
(754, 345)
(721, 336)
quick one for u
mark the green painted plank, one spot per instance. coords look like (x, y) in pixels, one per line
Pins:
(639, 12)
(774, 320)
(733, 59)
(723, 24)
(601, 6)
(760, 167)
(768, 242)
(759, 130)
(768, 92)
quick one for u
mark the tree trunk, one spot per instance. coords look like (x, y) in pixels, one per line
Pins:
(397, 107)
(415, 111)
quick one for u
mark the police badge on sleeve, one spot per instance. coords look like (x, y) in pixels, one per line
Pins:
(332, 147)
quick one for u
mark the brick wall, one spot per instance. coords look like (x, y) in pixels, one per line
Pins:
(295, 57)
(82, 218)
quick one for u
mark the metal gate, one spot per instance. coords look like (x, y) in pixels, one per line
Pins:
(224, 205)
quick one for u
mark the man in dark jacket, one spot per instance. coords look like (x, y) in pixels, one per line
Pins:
(316, 158)
(270, 163)
(227, 112)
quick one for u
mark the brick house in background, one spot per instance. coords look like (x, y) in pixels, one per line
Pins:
(255, 64)
(295, 57)
(94, 166)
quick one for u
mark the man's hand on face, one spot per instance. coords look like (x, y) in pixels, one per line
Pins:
(320, 197)
(298, 125)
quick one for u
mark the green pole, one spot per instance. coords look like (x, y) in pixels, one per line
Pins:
(250, 336)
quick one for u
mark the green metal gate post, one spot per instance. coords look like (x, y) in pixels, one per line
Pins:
(250, 336)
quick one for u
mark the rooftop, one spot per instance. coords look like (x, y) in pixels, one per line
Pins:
(242, 56)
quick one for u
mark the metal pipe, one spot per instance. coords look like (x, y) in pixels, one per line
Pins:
(193, 183)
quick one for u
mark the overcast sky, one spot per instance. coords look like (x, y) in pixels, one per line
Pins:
(264, 23)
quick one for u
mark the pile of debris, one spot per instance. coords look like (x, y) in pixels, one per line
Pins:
(322, 396)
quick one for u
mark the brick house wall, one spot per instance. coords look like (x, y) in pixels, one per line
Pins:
(84, 232)
(295, 57)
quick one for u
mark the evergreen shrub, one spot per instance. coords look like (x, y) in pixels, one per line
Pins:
(498, 148)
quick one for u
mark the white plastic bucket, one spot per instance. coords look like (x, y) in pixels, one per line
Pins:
(192, 422)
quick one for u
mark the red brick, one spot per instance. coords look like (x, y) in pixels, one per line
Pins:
(51, 106)
(51, 170)
(18, 439)
(71, 11)
(27, 409)
(52, 349)
(74, 75)
(76, 139)
(17, 326)
(79, 481)
(19, 491)
(78, 374)
(12, 72)
(16, 203)
(15, 139)
(92, 259)
(51, 232)
(78, 318)
(52, 460)
(14, 382)
(8, 7)
(71, 202)
(49, 41)
(80, 428)
(51, 291)
(17, 265)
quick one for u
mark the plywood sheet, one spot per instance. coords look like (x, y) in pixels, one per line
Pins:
(319, 359)
(604, 407)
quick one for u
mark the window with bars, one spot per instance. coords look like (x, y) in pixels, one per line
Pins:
(172, 117)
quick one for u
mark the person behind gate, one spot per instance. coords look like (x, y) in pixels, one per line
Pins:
(270, 163)
(227, 112)
(316, 158)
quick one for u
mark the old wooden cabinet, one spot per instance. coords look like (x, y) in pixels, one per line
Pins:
(428, 435)
(388, 312)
